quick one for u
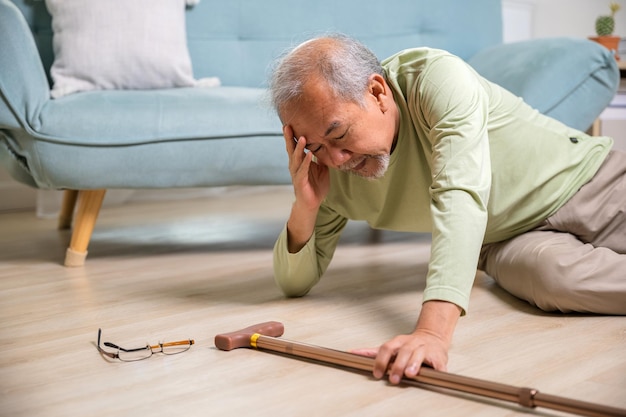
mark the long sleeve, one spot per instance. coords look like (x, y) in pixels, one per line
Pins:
(296, 273)
(454, 108)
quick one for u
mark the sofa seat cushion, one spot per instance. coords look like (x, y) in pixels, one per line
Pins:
(250, 160)
(569, 79)
(121, 118)
(180, 137)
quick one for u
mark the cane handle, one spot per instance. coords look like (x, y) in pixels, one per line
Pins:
(241, 338)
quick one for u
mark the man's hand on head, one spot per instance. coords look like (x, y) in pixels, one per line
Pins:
(311, 182)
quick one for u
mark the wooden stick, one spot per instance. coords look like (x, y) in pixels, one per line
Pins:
(89, 203)
(67, 209)
(264, 336)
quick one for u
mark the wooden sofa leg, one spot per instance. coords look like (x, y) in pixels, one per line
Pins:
(67, 209)
(89, 203)
(596, 127)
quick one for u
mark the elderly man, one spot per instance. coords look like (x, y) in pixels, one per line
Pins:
(423, 143)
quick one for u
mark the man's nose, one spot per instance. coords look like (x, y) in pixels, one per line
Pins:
(338, 156)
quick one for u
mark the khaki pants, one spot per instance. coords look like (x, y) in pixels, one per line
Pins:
(576, 259)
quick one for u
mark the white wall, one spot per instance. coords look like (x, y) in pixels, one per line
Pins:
(574, 17)
(525, 19)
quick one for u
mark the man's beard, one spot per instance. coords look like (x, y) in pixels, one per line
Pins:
(370, 173)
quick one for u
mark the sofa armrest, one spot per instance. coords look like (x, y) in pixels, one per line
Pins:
(24, 88)
(571, 80)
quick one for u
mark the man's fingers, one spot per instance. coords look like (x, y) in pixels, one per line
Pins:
(413, 364)
(288, 135)
(302, 171)
(291, 143)
(295, 150)
(397, 359)
(404, 358)
(385, 355)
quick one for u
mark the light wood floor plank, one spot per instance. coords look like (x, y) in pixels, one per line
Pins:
(170, 270)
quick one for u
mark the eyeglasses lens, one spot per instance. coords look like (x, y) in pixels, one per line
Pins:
(134, 354)
(174, 348)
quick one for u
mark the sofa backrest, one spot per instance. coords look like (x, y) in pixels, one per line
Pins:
(236, 40)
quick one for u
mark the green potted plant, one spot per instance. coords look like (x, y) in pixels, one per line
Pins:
(605, 25)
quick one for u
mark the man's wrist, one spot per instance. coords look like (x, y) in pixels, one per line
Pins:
(300, 227)
(439, 318)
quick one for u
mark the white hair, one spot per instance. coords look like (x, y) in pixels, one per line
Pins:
(346, 66)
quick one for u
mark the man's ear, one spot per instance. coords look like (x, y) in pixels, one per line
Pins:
(380, 90)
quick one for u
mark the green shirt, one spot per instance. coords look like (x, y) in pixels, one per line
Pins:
(473, 164)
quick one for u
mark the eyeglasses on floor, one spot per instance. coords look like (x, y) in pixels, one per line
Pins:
(137, 354)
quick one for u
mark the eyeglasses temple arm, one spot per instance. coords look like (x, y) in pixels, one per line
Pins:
(179, 343)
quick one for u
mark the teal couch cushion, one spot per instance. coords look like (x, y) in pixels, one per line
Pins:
(189, 137)
(112, 118)
(570, 79)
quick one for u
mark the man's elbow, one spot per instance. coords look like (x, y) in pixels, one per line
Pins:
(293, 289)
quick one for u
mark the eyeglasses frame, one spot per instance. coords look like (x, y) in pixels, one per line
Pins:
(148, 347)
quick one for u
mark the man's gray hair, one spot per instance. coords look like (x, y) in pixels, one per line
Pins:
(346, 67)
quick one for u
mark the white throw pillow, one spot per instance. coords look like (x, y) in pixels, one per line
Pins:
(119, 44)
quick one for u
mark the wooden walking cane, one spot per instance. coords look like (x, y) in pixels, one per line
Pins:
(264, 336)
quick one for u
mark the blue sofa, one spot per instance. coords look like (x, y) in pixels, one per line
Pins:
(92, 141)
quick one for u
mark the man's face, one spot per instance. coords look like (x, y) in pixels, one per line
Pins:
(345, 135)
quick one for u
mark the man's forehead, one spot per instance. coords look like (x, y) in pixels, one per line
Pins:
(317, 121)
(315, 132)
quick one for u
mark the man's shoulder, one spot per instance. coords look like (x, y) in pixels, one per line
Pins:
(409, 68)
(415, 57)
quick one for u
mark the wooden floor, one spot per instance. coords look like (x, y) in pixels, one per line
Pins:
(160, 271)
